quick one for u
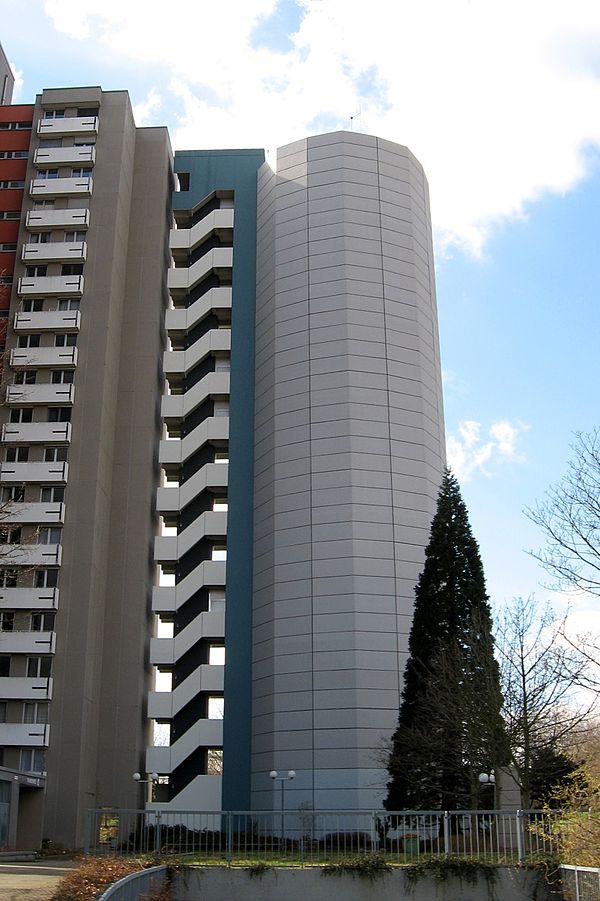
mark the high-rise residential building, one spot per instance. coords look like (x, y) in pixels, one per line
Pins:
(78, 471)
(222, 443)
(7, 79)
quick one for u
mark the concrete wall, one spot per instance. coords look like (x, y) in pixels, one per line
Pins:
(512, 884)
(349, 449)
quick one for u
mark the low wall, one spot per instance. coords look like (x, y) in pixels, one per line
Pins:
(281, 884)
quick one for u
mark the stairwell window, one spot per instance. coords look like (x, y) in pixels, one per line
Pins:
(215, 705)
(221, 408)
(216, 603)
(214, 762)
(219, 552)
(216, 655)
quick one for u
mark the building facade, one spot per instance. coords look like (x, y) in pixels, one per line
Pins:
(222, 441)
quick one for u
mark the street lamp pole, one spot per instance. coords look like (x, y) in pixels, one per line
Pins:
(282, 779)
(489, 779)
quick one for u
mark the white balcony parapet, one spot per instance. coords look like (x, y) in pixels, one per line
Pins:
(49, 395)
(48, 321)
(167, 651)
(188, 238)
(183, 321)
(28, 642)
(172, 500)
(36, 432)
(42, 357)
(21, 473)
(181, 361)
(29, 599)
(72, 125)
(207, 733)
(24, 688)
(45, 157)
(55, 252)
(47, 219)
(166, 704)
(176, 451)
(61, 187)
(45, 285)
(176, 406)
(182, 280)
(30, 554)
(37, 513)
(201, 793)
(170, 548)
(169, 600)
(25, 735)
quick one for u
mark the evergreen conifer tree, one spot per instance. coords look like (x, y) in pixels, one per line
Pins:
(449, 728)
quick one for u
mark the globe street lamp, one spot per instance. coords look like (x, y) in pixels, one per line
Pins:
(489, 779)
(282, 779)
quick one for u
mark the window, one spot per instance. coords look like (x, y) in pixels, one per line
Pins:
(54, 114)
(215, 707)
(21, 414)
(10, 214)
(219, 504)
(6, 279)
(46, 173)
(18, 183)
(43, 204)
(29, 341)
(45, 578)
(55, 454)
(214, 762)
(69, 303)
(65, 340)
(33, 305)
(42, 622)
(40, 238)
(11, 126)
(3, 708)
(4, 664)
(17, 454)
(8, 578)
(75, 236)
(222, 364)
(7, 620)
(81, 172)
(219, 552)
(52, 494)
(33, 760)
(14, 154)
(59, 414)
(25, 377)
(216, 601)
(85, 111)
(221, 456)
(10, 534)
(6, 248)
(221, 408)
(72, 269)
(36, 271)
(13, 494)
(48, 535)
(39, 667)
(84, 144)
(62, 377)
(50, 142)
(216, 655)
(34, 712)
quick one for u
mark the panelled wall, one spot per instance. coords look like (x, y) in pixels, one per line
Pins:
(349, 450)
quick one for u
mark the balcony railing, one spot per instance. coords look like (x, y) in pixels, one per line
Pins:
(72, 125)
(57, 187)
(55, 252)
(45, 285)
(47, 219)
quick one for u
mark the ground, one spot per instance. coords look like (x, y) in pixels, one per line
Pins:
(33, 881)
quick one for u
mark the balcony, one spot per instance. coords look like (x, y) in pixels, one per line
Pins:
(73, 125)
(27, 513)
(48, 157)
(48, 395)
(14, 688)
(25, 735)
(20, 473)
(47, 219)
(42, 357)
(61, 187)
(48, 321)
(30, 554)
(170, 548)
(36, 432)
(29, 599)
(188, 238)
(32, 643)
(55, 252)
(50, 285)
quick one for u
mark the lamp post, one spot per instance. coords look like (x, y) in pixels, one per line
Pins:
(151, 780)
(489, 779)
(282, 779)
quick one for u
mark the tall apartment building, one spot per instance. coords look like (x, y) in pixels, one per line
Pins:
(222, 443)
(78, 471)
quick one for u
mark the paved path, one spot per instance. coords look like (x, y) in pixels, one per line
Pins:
(33, 881)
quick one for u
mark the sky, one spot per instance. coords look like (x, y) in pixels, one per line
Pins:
(498, 99)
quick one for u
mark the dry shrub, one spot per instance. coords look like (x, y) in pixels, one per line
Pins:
(95, 874)
(578, 824)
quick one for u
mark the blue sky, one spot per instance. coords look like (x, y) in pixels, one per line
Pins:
(499, 101)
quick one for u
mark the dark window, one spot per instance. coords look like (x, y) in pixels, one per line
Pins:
(65, 340)
(21, 414)
(36, 271)
(59, 414)
(33, 305)
(45, 578)
(17, 454)
(72, 269)
(4, 664)
(25, 377)
(55, 454)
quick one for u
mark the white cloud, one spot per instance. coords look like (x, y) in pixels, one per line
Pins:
(18, 85)
(468, 452)
(142, 112)
(494, 98)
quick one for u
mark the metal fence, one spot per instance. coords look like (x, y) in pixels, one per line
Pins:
(144, 884)
(315, 837)
(580, 883)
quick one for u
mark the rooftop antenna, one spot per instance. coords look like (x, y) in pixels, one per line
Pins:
(356, 115)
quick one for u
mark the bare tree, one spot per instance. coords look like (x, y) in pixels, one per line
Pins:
(540, 677)
(569, 516)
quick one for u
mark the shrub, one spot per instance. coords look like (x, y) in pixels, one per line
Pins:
(95, 874)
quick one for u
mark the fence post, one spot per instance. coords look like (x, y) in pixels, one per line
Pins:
(157, 835)
(447, 838)
(520, 837)
(87, 841)
(229, 838)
